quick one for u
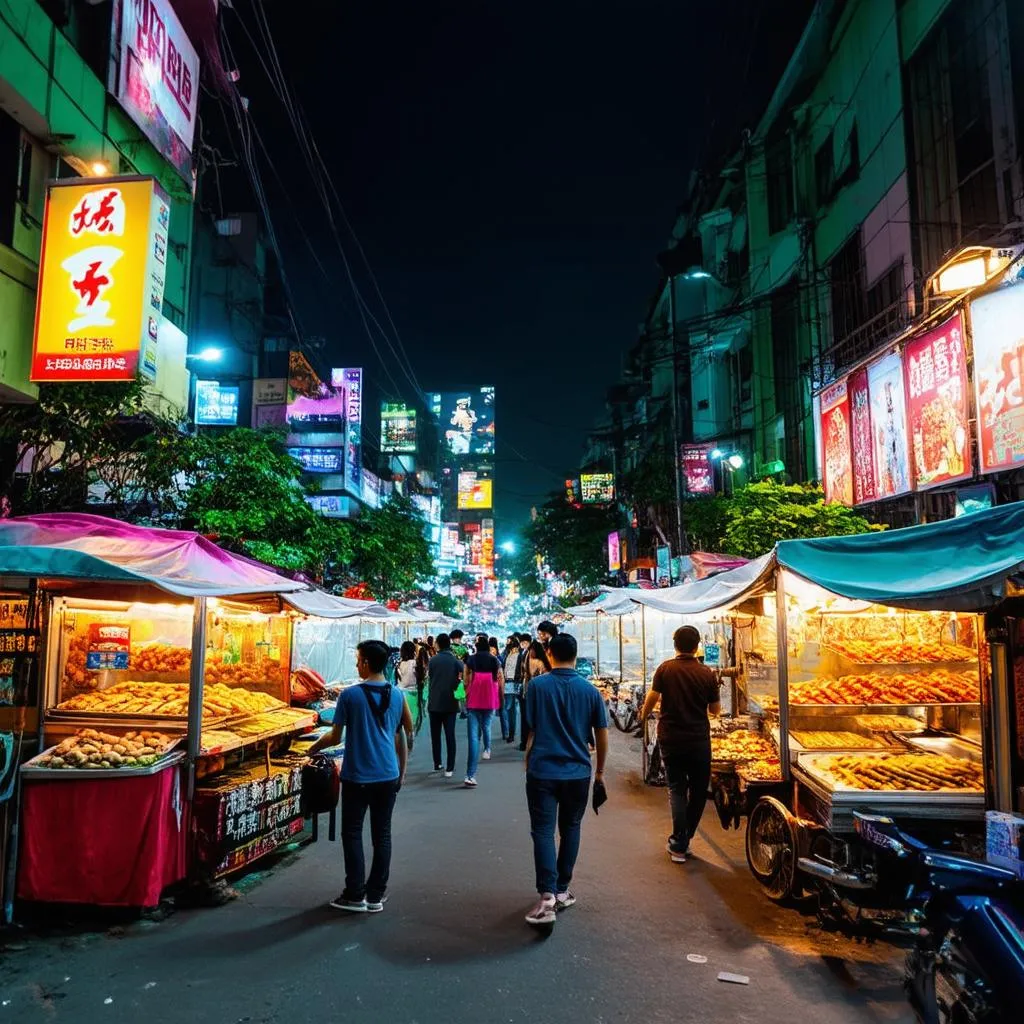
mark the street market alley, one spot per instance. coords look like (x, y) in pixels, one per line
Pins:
(452, 946)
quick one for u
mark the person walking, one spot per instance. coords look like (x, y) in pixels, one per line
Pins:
(482, 689)
(459, 649)
(405, 675)
(546, 630)
(424, 653)
(689, 693)
(513, 689)
(563, 710)
(378, 736)
(537, 663)
(444, 672)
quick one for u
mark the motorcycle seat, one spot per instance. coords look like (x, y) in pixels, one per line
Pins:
(968, 868)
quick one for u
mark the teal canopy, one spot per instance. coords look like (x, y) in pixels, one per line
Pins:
(63, 563)
(953, 565)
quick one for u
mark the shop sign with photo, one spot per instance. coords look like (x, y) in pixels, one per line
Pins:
(889, 426)
(863, 446)
(938, 411)
(109, 646)
(837, 467)
(997, 328)
(698, 472)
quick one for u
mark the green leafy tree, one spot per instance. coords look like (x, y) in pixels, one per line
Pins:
(650, 488)
(443, 604)
(389, 548)
(573, 541)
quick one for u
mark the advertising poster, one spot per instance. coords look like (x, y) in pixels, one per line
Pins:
(109, 646)
(889, 426)
(698, 473)
(597, 488)
(318, 408)
(269, 402)
(216, 405)
(487, 548)
(350, 381)
(572, 491)
(101, 280)
(397, 428)
(155, 77)
(614, 552)
(473, 542)
(860, 431)
(319, 460)
(475, 491)
(938, 413)
(450, 541)
(997, 325)
(663, 563)
(837, 449)
(466, 420)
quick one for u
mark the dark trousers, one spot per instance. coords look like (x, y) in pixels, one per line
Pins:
(524, 728)
(443, 720)
(356, 799)
(509, 716)
(688, 772)
(561, 802)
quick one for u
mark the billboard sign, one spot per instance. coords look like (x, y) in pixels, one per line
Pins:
(450, 541)
(572, 491)
(270, 391)
(998, 334)
(370, 490)
(155, 77)
(475, 491)
(466, 419)
(487, 548)
(318, 408)
(614, 552)
(330, 506)
(350, 380)
(889, 426)
(216, 405)
(862, 439)
(101, 280)
(597, 488)
(836, 461)
(697, 469)
(319, 460)
(397, 428)
(938, 412)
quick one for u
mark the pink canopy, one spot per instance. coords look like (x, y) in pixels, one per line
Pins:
(177, 561)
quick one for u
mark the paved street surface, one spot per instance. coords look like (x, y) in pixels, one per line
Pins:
(452, 946)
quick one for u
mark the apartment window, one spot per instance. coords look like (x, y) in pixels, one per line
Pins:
(837, 161)
(779, 184)
(789, 373)
(846, 284)
(10, 175)
(887, 292)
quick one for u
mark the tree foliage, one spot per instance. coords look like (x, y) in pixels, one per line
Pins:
(749, 523)
(650, 488)
(390, 549)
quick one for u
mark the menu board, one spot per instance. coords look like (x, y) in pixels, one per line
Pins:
(996, 324)
(837, 467)
(889, 426)
(863, 446)
(938, 412)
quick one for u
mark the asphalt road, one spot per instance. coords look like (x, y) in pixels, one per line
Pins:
(452, 946)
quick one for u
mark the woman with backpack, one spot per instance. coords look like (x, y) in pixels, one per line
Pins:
(483, 691)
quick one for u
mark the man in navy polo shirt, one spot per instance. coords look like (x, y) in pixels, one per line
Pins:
(563, 710)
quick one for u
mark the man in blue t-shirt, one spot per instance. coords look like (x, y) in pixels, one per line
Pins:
(563, 710)
(378, 738)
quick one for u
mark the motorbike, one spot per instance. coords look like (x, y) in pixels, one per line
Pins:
(624, 711)
(965, 916)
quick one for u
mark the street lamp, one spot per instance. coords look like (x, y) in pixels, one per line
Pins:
(210, 354)
(508, 547)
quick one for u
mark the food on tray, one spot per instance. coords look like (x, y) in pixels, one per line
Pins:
(243, 673)
(762, 770)
(819, 740)
(170, 699)
(160, 658)
(895, 772)
(939, 686)
(213, 739)
(741, 745)
(900, 652)
(888, 723)
(90, 749)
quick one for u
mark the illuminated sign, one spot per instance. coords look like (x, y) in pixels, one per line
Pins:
(370, 490)
(450, 541)
(466, 419)
(397, 428)
(837, 468)
(863, 443)
(889, 426)
(320, 408)
(101, 280)
(330, 506)
(698, 472)
(614, 552)
(487, 548)
(350, 380)
(597, 488)
(996, 321)
(216, 406)
(155, 77)
(319, 460)
(572, 491)
(475, 491)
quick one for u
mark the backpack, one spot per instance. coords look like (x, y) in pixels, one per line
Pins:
(321, 786)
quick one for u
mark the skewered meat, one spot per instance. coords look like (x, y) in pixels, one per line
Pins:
(897, 772)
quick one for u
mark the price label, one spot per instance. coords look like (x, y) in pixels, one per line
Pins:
(712, 655)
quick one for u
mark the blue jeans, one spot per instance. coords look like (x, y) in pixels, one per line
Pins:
(478, 726)
(562, 802)
(509, 716)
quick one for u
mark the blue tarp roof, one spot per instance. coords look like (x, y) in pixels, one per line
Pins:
(953, 565)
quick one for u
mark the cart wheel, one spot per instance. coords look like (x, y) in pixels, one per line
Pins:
(771, 847)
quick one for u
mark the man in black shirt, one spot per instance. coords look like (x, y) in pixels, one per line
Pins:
(444, 671)
(689, 693)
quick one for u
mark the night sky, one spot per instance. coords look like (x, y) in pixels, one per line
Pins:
(511, 170)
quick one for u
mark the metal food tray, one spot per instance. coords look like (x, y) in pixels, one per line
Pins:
(809, 763)
(31, 770)
(96, 719)
(952, 746)
(289, 724)
(827, 710)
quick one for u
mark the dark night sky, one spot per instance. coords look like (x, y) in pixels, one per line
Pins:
(511, 169)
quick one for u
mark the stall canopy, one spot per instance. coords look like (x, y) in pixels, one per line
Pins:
(617, 601)
(85, 547)
(717, 592)
(954, 565)
(330, 606)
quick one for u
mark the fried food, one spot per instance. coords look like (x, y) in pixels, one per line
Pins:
(939, 686)
(741, 745)
(171, 700)
(89, 749)
(899, 772)
(900, 652)
(820, 740)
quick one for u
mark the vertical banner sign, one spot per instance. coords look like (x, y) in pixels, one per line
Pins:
(351, 380)
(837, 467)
(663, 563)
(614, 552)
(860, 430)
(996, 325)
(697, 469)
(101, 280)
(487, 548)
(937, 410)
(889, 426)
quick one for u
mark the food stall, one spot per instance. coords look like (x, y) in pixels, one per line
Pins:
(164, 718)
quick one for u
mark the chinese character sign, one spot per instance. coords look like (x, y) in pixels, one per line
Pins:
(155, 77)
(101, 280)
(697, 469)
(935, 367)
(997, 324)
(397, 428)
(487, 548)
(319, 460)
(836, 461)
(351, 381)
(863, 446)
(614, 552)
(216, 405)
(597, 488)
(889, 426)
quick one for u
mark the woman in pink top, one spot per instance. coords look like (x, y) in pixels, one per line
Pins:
(483, 672)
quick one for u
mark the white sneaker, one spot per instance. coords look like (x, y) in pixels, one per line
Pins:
(487, 755)
(564, 900)
(543, 913)
(448, 775)
(470, 781)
